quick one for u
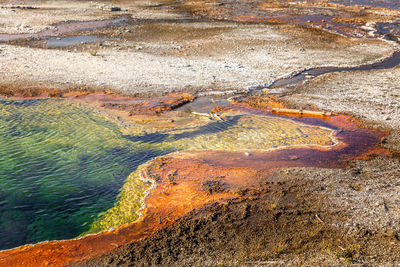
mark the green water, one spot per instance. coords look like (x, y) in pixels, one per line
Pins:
(67, 170)
(234, 133)
(60, 166)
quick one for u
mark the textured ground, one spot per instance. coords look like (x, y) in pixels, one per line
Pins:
(373, 97)
(159, 50)
(297, 216)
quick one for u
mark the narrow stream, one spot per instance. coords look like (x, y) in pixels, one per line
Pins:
(298, 78)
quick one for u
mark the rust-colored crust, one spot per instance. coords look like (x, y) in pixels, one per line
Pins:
(132, 105)
(335, 17)
(105, 99)
(189, 180)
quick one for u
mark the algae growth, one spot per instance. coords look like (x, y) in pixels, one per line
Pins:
(67, 170)
(251, 132)
(233, 133)
(61, 165)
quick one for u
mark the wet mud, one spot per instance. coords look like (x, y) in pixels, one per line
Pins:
(279, 223)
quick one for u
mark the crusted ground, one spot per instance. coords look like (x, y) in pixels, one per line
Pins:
(372, 96)
(297, 216)
(156, 48)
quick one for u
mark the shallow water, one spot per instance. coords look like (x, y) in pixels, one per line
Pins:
(64, 167)
(67, 27)
(387, 63)
(237, 132)
(60, 166)
(72, 40)
(393, 4)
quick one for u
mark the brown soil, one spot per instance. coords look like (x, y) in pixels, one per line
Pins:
(287, 220)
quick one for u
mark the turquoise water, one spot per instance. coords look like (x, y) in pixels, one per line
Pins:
(67, 170)
(60, 166)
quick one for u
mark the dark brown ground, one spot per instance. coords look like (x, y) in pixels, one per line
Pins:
(293, 218)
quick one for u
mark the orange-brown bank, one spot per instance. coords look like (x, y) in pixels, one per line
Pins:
(188, 180)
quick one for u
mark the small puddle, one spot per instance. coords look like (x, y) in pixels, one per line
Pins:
(67, 27)
(57, 42)
(389, 30)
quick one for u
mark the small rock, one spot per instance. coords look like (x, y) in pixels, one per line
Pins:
(115, 8)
